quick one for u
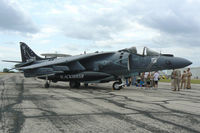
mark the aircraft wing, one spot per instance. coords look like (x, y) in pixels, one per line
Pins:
(64, 60)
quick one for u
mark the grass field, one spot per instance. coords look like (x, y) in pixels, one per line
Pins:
(193, 81)
(1, 73)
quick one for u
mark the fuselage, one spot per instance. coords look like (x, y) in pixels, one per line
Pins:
(96, 67)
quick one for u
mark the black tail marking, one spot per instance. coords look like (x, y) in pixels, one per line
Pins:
(27, 53)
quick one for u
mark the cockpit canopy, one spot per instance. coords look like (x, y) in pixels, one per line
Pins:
(146, 51)
(132, 50)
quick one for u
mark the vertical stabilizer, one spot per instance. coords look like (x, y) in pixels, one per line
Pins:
(27, 53)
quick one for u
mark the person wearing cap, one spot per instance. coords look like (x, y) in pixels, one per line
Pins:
(189, 75)
(183, 80)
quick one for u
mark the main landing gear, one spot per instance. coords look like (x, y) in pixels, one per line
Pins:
(47, 84)
(86, 85)
(74, 84)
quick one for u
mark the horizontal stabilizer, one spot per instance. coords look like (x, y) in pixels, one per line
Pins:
(11, 61)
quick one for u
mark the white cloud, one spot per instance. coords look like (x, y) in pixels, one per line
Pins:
(112, 24)
(45, 32)
(14, 19)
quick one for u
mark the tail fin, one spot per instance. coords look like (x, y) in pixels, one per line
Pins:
(27, 53)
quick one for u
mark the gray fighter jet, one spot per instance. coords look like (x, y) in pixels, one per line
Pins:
(98, 67)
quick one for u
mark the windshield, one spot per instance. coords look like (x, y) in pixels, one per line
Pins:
(150, 52)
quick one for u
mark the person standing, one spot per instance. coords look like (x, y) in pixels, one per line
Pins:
(156, 77)
(129, 81)
(183, 80)
(151, 80)
(177, 78)
(148, 80)
(189, 74)
(133, 80)
(145, 78)
(173, 74)
(178, 72)
(142, 79)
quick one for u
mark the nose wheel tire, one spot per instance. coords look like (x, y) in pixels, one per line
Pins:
(116, 86)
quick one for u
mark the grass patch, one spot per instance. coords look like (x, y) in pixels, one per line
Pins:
(165, 80)
(1, 73)
(193, 81)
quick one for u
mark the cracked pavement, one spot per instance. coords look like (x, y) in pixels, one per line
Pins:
(26, 106)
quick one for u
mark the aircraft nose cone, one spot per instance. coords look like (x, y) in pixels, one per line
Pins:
(181, 62)
(188, 63)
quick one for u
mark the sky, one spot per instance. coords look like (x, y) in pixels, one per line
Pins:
(72, 27)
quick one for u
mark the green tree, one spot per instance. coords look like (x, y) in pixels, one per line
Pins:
(5, 70)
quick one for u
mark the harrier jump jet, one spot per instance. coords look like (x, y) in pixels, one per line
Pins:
(98, 67)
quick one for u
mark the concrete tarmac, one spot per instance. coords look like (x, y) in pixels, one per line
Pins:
(27, 107)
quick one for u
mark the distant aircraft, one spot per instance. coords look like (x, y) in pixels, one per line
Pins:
(98, 67)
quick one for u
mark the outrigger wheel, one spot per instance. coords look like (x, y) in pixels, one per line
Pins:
(117, 85)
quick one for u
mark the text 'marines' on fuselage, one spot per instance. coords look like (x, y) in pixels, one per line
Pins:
(99, 67)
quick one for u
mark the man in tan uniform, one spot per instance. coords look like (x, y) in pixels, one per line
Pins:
(183, 80)
(177, 78)
(172, 79)
(189, 74)
(178, 73)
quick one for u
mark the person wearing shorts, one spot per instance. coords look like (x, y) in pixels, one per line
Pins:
(148, 80)
(156, 77)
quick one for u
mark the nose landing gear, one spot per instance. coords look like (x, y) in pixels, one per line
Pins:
(116, 86)
(119, 84)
